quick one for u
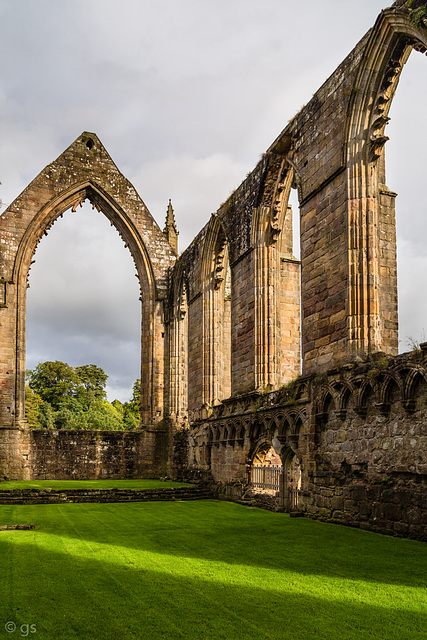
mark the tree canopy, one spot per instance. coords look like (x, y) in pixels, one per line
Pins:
(59, 396)
(54, 381)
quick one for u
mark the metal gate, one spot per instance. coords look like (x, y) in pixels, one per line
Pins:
(266, 477)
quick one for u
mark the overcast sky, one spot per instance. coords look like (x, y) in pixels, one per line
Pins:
(185, 95)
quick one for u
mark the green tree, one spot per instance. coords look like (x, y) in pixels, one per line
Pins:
(118, 407)
(70, 415)
(103, 416)
(46, 416)
(62, 397)
(64, 418)
(33, 404)
(132, 409)
(92, 384)
(54, 381)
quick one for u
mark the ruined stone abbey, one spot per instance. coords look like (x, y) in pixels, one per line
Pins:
(263, 375)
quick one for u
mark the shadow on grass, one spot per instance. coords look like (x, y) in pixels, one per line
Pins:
(235, 535)
(67, 595)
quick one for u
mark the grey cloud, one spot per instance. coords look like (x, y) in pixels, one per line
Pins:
(83, 303)
(186, 96)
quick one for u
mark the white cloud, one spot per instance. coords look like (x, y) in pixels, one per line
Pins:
(193, 184)
(186, 96)
(406, 175)
(412, 302)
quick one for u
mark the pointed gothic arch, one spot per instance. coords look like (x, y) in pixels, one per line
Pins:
(373, 321)
(277, 279)
(217, 293)
(178, 347)
(84, 171)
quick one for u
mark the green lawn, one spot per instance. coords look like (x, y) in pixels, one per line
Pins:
(89, 484)
(204, 569)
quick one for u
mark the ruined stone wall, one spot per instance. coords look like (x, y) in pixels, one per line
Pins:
(243, 326)
(355, 420)
(333, 153)
(195, 354)
(264, 292)
(371, 448)
(358, 433)
(91, 455)
(336, 145)
(83, 171)
(15, 454)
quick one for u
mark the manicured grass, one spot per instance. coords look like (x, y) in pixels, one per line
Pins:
(89, 484)
(204, 570)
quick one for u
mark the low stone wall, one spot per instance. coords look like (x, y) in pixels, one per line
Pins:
(48, 496)
(92, 455)
(393, 509)
(30, 454)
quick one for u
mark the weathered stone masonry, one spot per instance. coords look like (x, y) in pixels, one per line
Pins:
(355, 419)
(224, 325)
(358, 431)
(84, 171)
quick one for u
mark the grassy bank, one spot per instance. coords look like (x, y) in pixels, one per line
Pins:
(204, 570)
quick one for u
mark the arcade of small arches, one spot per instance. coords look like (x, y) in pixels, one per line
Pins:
(251, 358)
(367, 405)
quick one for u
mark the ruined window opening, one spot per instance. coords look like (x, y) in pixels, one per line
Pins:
(89, 144)
(405, 169)
(221, 321)
(293, 202)
(296, 233)
(291, 480)
(66, 313)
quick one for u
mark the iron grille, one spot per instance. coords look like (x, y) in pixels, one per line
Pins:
(266, 477)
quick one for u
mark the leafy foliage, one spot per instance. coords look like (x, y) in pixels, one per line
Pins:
(419, 17)
(92, 383)
(33, 405)
(132, 409)
(54, 381)
(59, 396)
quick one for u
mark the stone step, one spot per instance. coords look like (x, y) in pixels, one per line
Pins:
(49, 496)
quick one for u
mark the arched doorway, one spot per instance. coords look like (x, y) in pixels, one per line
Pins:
(265, 469)
(291, 479)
